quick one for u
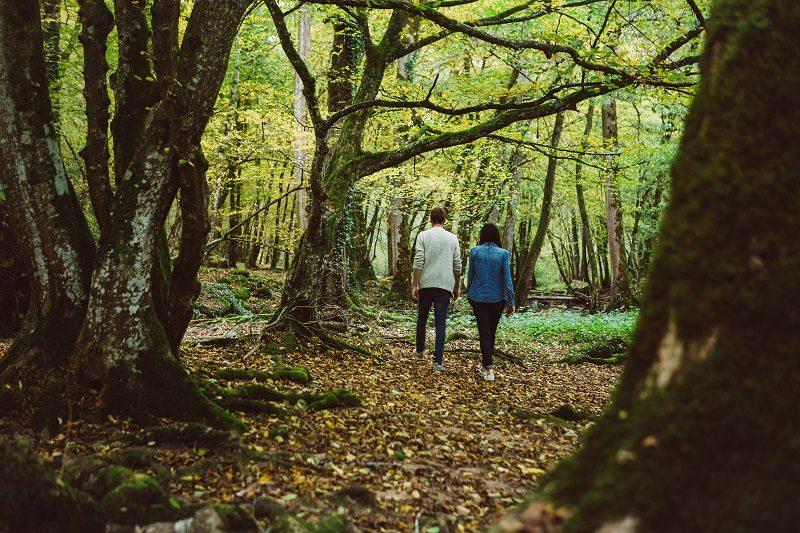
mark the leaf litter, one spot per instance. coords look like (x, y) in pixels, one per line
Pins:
(432, 451)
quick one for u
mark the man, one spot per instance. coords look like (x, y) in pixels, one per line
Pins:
(437, 271)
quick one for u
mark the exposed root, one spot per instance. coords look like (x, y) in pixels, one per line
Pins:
(284, 321)
(296, 374)
(183, 433)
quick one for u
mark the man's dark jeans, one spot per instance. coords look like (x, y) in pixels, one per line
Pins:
(487, 314)
(440, 299)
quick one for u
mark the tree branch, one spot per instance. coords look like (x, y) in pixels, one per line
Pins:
(309, 83)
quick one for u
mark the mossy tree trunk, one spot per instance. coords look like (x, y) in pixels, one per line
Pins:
(115, 333)
(704, 429)
(43, 206)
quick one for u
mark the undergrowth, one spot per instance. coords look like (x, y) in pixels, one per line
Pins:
(599, 338)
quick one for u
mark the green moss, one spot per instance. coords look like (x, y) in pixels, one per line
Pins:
(138, 500)
(272, 348)
(289, 340)
(252, 406)
(333, 399)
(32, 498)
(257, 392)
(456, 336)
(297, 374)
(241, 293)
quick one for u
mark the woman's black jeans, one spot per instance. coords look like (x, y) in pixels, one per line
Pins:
(487, 314)
(440, 299)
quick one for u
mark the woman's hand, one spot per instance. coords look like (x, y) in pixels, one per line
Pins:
(510, 309)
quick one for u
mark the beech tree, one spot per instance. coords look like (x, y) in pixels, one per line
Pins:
(112, 313)
(704, 428)
(312, 293)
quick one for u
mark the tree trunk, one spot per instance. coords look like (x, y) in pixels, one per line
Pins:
(589, 263)
(620, 283)
(301, 116)
(43, 206)
(14, 274)
(398, 225)
(527, 265)
(704, 428)
(513, 202)
(124, 341)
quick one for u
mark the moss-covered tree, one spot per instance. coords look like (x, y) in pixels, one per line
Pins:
(704, 430)
(113, 313)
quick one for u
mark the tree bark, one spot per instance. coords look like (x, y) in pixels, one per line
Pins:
(97, 23)
(702, 434)
(43, 205)
(527, 265)
(124, 342)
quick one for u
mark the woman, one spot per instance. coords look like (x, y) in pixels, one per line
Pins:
(489, 290)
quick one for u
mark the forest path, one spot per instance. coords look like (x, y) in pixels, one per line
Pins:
(446, 450)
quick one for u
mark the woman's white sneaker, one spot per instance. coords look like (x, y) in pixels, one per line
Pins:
(488, 374)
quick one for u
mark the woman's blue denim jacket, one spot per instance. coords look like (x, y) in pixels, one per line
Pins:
(490, 274)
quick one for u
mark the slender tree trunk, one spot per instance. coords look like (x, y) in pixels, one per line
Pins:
(620, 283)
(527, 266)
(301, 116)
(513, 203)
(591, 274)
(703, 431)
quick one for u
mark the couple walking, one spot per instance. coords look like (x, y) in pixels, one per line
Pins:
(437, 280)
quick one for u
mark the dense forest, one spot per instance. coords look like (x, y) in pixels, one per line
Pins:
(209, 212)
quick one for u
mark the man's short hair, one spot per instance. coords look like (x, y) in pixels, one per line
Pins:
(438, 215)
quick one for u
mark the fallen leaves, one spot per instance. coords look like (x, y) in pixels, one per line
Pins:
(445, 448)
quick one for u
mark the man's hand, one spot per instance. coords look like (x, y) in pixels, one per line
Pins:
(510, 310)
(414, 292)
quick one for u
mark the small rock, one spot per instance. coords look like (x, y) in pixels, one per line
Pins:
(207, 520)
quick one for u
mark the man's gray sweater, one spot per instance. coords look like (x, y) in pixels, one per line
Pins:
(438, 256)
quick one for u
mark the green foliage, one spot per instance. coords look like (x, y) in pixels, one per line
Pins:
(598, 338)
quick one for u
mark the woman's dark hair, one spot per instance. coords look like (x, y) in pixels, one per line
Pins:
(438, 215)
(490, 233)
